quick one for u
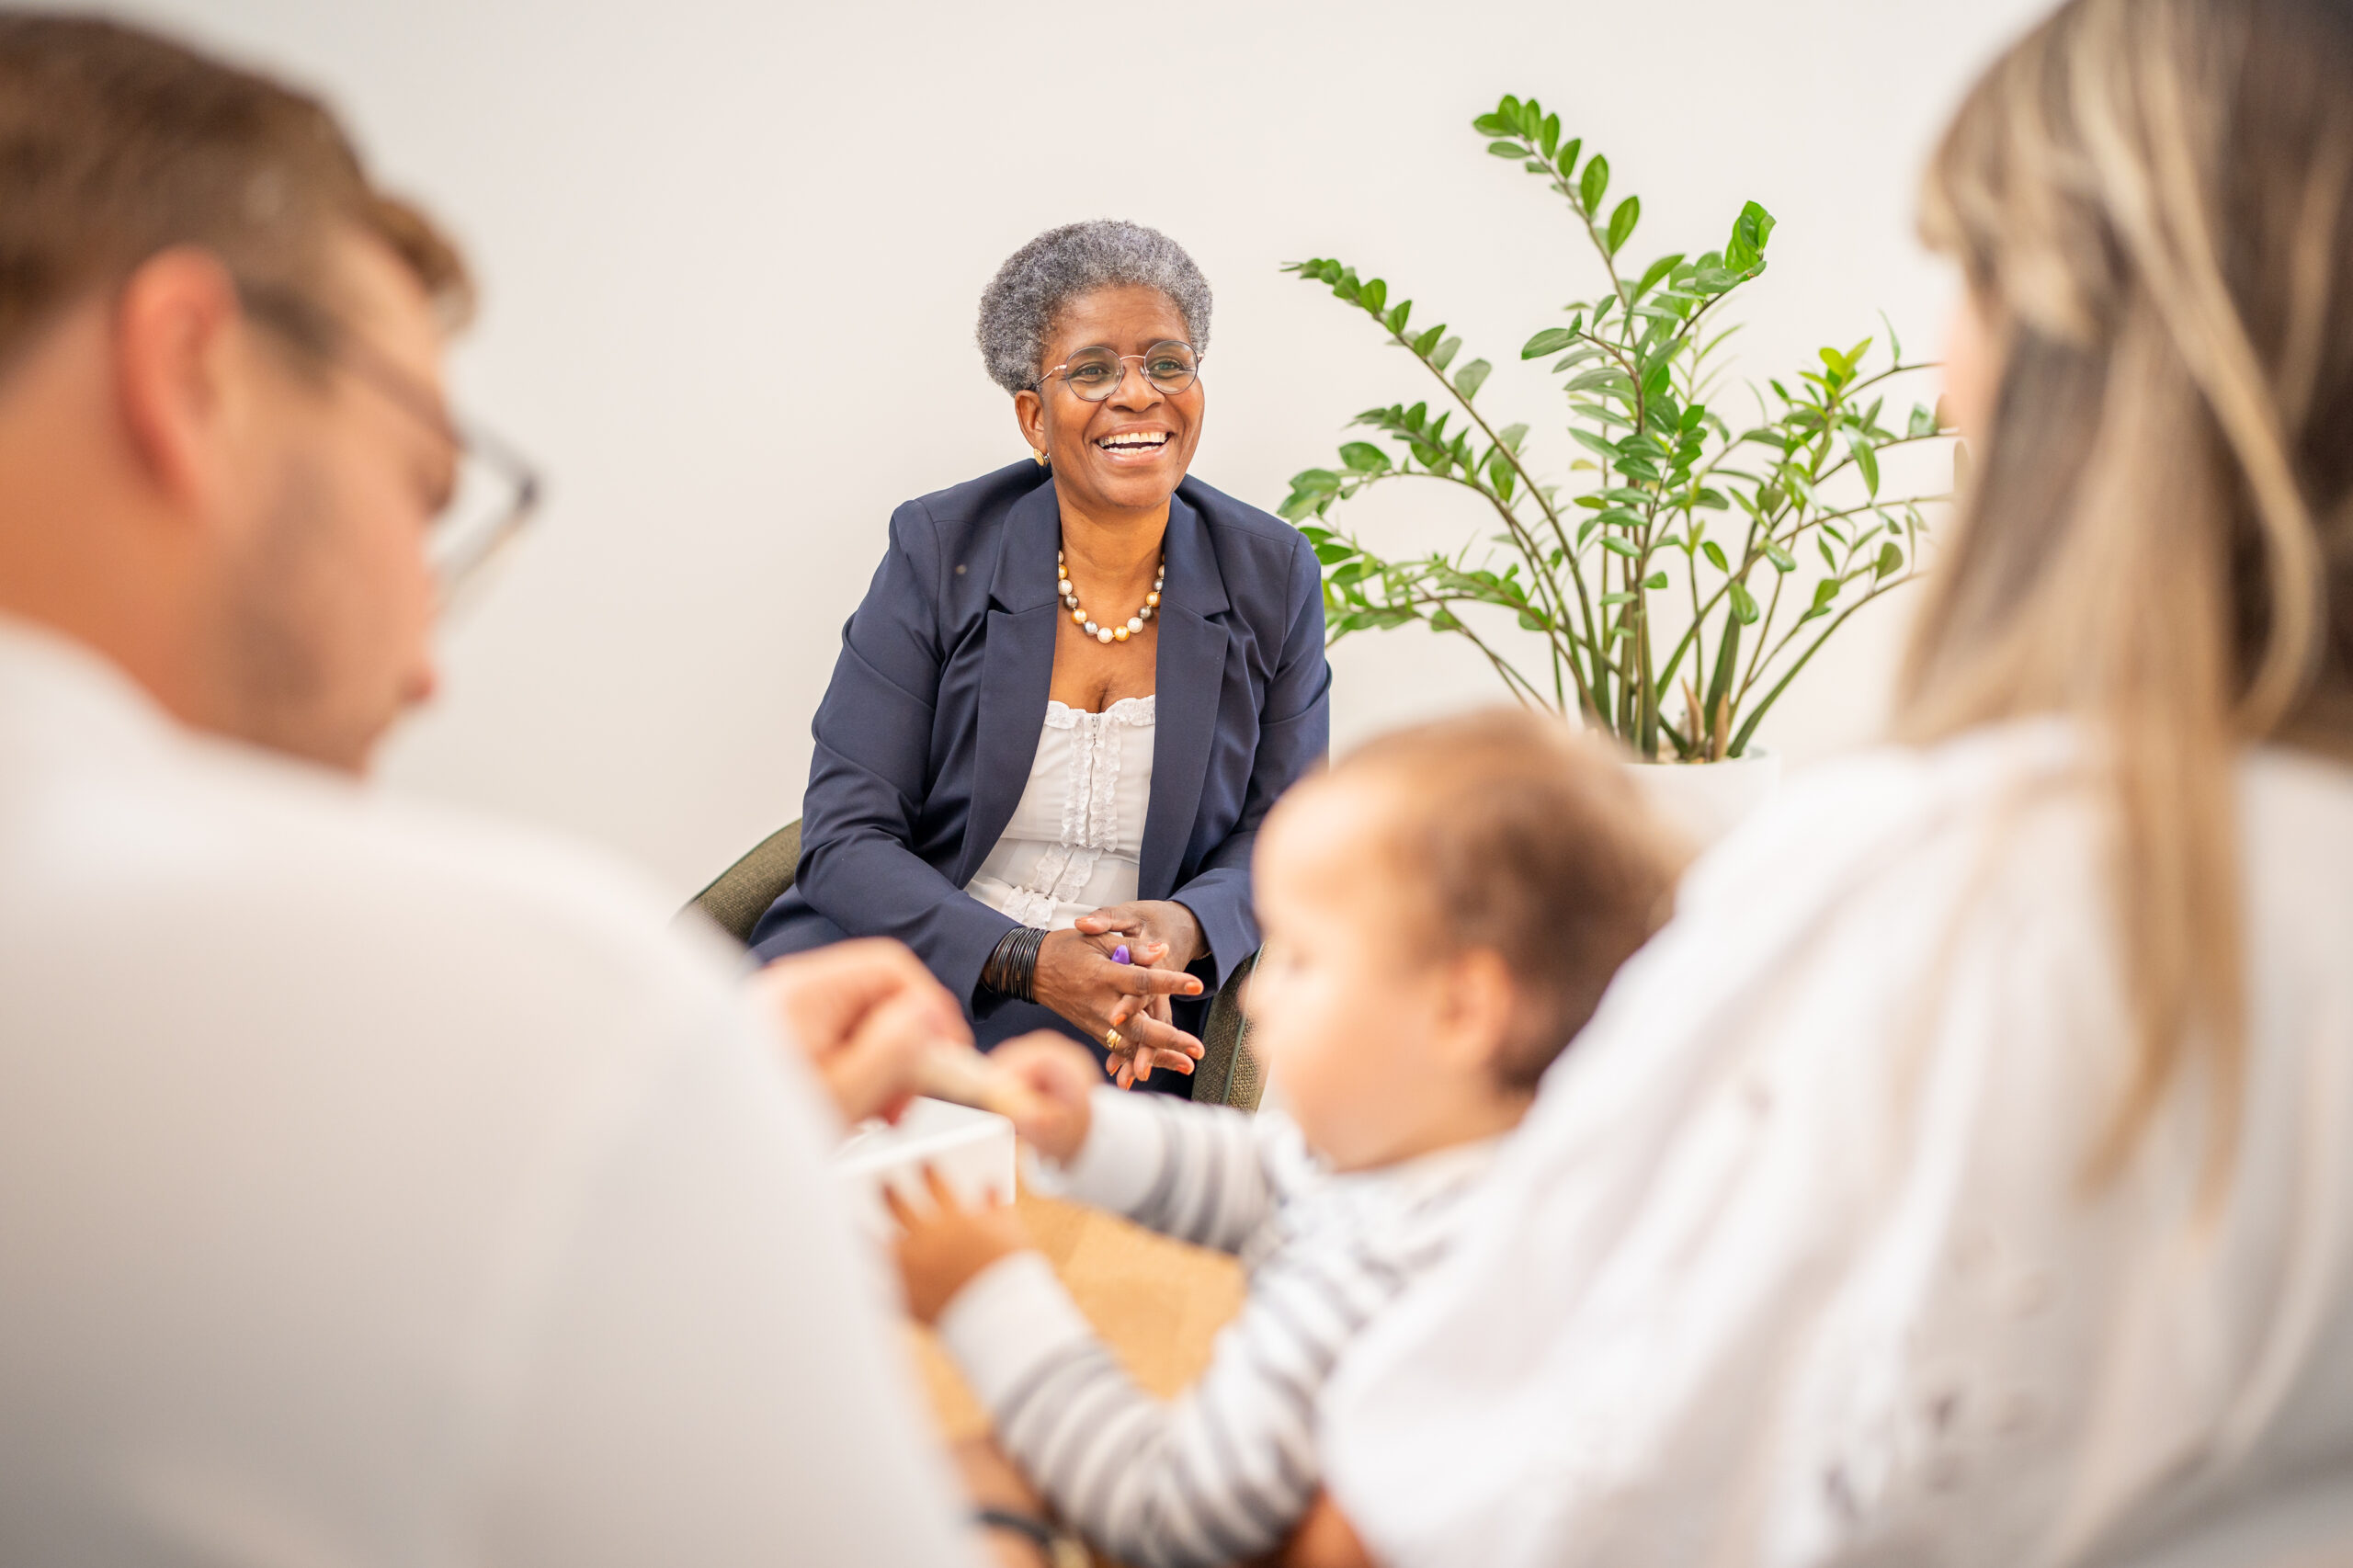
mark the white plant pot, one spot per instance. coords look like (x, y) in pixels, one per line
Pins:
(971, 1149)
(1704, 801)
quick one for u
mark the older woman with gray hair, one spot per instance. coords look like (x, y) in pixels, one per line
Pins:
(1075, 687)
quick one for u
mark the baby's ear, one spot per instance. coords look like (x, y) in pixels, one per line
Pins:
(1482, 1011)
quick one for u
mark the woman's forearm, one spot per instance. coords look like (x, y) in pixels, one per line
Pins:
(871, 884)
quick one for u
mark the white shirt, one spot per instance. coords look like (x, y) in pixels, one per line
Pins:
(1075, 839)
(1795, 1261)
(381, 1190)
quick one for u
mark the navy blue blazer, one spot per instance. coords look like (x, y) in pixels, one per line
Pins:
(925, 737)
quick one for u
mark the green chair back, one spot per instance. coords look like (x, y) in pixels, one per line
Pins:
(743, 893)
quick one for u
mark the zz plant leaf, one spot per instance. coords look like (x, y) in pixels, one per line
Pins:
(1611, 571)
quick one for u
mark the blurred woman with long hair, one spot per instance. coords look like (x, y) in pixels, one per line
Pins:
(1966, 1174)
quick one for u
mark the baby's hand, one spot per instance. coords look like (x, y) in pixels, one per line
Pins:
(1052, 1076)
(942, 1249)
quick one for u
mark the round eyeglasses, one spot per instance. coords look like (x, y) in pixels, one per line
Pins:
(494, 491)
(1094, 374)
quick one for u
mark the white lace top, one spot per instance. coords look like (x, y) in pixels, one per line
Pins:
(1073, 844)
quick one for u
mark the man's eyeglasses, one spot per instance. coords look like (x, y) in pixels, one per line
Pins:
(496, 489)
(1094, 374)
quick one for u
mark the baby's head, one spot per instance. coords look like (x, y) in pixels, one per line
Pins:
(1442, 911)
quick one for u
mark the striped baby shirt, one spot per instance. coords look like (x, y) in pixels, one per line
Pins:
(1227, 1470)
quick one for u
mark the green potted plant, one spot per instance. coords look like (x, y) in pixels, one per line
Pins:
(1692, 562)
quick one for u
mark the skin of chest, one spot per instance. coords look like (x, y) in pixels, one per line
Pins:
(1091, 676)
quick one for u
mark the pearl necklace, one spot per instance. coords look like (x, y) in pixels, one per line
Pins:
(1110, 633)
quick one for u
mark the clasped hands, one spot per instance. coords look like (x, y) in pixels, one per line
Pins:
(1077, 978)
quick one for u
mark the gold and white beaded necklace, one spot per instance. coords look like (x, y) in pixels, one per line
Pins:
(1110, 633)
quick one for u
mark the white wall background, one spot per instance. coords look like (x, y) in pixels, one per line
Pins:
(732, 253)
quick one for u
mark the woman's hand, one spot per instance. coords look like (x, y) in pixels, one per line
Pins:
(1077, 979)
(864, 1013)
(1160, 924)
(1159, 931)
(943, 1250)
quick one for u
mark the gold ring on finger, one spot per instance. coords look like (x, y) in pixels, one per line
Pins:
(1112, 1040)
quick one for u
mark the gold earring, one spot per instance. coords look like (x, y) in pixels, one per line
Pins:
(1040, 455)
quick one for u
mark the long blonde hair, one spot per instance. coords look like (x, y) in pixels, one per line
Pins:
(2153, 203)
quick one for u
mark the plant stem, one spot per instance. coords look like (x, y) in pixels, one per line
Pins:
(1757, 655)
(1527, 482)
(1529, 551)
(1756, 714)
(1513, 679)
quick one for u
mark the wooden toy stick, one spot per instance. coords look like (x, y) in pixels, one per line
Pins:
(962, 1077)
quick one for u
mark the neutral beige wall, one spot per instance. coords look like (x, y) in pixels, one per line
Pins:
(732, 253)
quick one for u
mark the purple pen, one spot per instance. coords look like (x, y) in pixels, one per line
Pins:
(1119, 954)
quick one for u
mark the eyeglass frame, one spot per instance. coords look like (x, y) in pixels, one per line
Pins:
(1122, 360)
(310, 327)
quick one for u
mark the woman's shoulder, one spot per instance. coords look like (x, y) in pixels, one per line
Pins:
(1270, 569)
(965, 511)
(1239, 522)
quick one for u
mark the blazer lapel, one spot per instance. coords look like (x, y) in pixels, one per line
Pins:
(1016, 673)
(1189, 674)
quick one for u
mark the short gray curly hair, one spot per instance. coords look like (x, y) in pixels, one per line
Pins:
(1018, 307)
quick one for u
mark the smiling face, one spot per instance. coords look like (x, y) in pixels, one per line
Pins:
(1128, 452)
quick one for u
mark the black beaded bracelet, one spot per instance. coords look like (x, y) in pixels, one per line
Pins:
(1012, 969)
(1024, 971)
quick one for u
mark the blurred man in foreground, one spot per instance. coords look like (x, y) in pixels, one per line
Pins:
(372, 1188)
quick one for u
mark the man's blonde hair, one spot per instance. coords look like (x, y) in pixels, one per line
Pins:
(116, 145)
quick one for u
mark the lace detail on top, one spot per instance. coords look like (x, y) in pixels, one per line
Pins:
(1091, 823)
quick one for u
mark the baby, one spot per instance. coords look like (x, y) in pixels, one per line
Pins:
(1442, 911)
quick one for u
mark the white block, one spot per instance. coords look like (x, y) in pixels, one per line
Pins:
(971, 1149)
